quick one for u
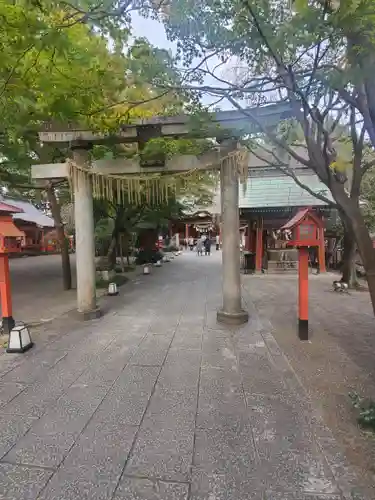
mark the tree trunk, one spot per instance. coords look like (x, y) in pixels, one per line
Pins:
(349, 272)
(126, 245)
(121, 254)
(356, 224)
(63, 241)
(111, 254)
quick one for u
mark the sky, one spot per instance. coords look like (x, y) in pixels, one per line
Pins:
(156, 35)
(152, 30)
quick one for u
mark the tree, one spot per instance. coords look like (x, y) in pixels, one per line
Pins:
(45, 51)
(302, 55)
(128, 215)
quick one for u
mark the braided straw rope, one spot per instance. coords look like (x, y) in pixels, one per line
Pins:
(152, 188)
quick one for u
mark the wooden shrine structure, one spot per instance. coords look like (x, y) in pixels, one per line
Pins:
(303, 232)
(84, 175)
(271, 199)
(11, 239)
(193, 225)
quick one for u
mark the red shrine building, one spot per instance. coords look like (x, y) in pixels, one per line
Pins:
(266, 203)
(197, 221)
(193, 225)
(269, 201)
(34, 226)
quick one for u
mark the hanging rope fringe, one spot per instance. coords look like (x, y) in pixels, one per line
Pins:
(153, 189)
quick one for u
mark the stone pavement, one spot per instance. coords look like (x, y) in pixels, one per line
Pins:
(155, 401)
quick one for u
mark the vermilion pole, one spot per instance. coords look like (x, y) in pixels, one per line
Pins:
(248, 237)
(303, 293)
(5, 293)
(259, 247)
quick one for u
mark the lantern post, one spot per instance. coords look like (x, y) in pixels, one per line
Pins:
(303, 293)
(305, 227)
(5, 292)
(10, 242)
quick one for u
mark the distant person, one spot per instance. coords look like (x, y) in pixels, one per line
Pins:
(207, 246)
(217, 242)
(200, 246)
(191, 243)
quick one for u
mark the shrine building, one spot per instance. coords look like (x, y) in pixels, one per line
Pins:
(268, 200)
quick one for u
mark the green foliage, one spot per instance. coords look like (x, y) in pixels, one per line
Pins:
(366, 411)
(167, 147)
(147, 256)
(56, 65)
(104, 227)
(42, 68)
(303, 51)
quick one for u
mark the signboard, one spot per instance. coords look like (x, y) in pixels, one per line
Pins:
(306, 231)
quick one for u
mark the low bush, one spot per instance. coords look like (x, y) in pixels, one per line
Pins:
(126, 269)
(148, 256)
(171, 248)
(366, 411)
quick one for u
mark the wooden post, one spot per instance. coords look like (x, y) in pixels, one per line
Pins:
(6, 295)
(259, 246)
(187, 232)
(42, 249)
(248, 245)
(303, 293)
(321, 251)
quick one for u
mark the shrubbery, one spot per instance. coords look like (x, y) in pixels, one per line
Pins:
(148, 256)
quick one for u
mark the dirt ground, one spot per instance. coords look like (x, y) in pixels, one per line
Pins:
(37, 292)
(338, 359)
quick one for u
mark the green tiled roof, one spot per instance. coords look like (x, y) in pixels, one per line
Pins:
(279, 190)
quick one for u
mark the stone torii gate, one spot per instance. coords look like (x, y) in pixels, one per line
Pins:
(81, 141)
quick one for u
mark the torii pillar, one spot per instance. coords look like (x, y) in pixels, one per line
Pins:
(231, 313)
(85, 244)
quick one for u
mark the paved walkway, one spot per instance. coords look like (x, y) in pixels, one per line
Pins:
(155, 401)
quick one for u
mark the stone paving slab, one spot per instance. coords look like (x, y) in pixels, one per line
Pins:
(156, 401)
(145, 489)
(21, 483)
(12, 428)
(207, 486)
(162, 453)
(128, 398)
(51, 437)
(35, 368)
(152, 351)
(9, 391)
(95, 463)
